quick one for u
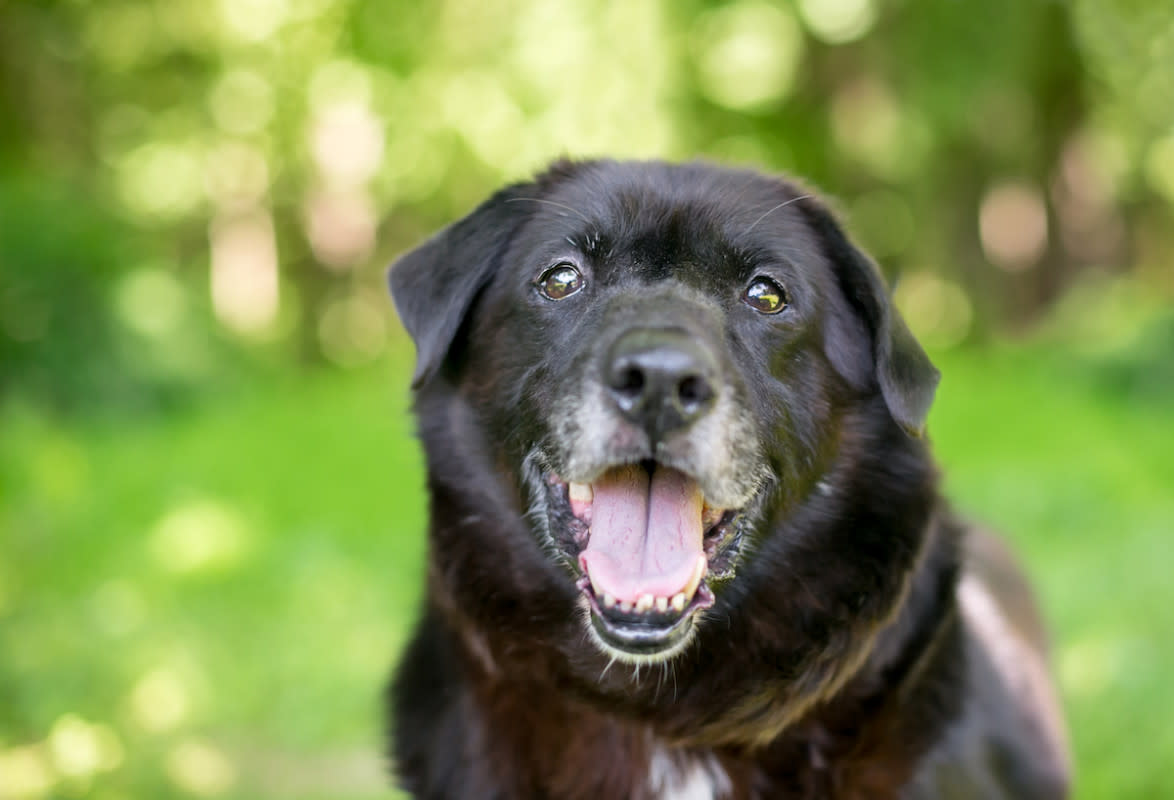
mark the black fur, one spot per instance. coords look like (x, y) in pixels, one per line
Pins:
(836, 661)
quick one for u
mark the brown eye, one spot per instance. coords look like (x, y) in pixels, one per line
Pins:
(765, 296)
(561, 280)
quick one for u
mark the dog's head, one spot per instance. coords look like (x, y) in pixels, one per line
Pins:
(651, 367)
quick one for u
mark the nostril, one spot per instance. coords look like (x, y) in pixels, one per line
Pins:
(694, 393)
(628, 382)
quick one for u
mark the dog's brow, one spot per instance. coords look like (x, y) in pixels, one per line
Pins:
(574, 211)
(776, 208)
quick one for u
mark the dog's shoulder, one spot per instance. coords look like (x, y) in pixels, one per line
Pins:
(1009, 739)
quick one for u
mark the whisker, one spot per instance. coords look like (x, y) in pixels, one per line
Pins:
(776, 208)
(610, 662)
(574, 211)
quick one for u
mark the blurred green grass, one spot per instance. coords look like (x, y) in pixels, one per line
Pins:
(208, 603)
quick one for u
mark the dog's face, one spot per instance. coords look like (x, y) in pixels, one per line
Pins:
(660, 366)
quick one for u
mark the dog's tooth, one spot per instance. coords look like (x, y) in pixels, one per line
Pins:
(679, 600)
(580, 492)
(625, 606)
(608, 600)
(662, 604)
(644, 603)
(695, 580)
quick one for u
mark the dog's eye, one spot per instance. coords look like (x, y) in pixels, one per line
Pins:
(765, 296)
(561, 280)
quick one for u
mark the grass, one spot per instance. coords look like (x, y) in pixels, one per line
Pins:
(1078, 472)
(208, 604)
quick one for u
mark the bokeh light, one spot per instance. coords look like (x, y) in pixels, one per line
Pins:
(200, 535)
(242, 102)
(151, 301)
(200, 768)
(838, 21)
(245, 283)
(160, 701)
(937, 310)
(162, 181)
(1013, 224)
(747, 54)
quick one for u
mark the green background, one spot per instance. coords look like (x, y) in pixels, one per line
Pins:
(211, 502)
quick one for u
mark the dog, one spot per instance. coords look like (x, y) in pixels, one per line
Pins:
(686, 535)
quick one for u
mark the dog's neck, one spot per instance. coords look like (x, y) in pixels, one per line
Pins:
(863, 743)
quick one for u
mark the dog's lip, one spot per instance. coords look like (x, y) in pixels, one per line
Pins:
(644, 633)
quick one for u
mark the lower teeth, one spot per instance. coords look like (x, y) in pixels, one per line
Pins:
(645, 604)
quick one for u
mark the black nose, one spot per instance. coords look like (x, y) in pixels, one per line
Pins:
(661, 380)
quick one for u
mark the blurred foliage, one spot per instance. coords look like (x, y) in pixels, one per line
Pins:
(170, 171)
(197, 607)
(197, 203)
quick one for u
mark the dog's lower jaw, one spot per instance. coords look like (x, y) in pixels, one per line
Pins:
(683, 635)
(640, 644)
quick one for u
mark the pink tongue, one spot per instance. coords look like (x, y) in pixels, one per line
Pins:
(645, 539)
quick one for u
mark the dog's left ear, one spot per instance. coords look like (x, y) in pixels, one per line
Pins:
(904, 372)
(434, 286)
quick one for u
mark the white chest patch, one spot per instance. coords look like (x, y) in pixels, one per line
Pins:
(686, 777)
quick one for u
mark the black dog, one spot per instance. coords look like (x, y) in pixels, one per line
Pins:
(686, 538)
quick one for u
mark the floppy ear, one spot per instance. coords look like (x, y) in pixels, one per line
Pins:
(906, 376)
(434, 286)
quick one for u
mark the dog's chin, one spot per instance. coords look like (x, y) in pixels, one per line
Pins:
(646, 551)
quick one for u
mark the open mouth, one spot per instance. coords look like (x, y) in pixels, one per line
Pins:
(648, 547)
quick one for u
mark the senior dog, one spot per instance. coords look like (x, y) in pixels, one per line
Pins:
(686, 537)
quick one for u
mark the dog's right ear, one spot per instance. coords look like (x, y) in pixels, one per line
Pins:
(906, 376)
(434, 286)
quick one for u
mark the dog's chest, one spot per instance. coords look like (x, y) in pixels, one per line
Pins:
(686, 777)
